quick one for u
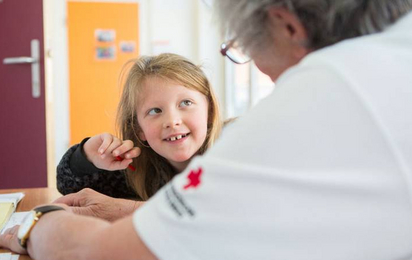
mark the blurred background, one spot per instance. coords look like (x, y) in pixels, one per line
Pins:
(60, 65)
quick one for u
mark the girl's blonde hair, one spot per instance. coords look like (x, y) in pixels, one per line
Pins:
(152, 170)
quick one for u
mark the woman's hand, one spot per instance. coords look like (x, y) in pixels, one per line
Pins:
(9, 240)
(102, 150)
(91, 203)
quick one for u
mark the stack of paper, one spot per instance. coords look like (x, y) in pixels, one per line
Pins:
(6, 209)
(8, 256)
(8, 204)
(15, 219)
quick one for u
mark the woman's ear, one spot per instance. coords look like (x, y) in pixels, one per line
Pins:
(288, 28)
(287, 24)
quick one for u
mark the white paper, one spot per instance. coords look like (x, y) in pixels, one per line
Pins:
(8, 256)
(12, 197)
(15, 219)
(5, 256)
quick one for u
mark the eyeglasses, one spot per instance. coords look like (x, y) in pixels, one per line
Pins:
(231, 50)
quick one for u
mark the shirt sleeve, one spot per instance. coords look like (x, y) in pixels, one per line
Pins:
(75, 173)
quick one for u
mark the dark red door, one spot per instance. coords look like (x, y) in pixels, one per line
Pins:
(22, 108)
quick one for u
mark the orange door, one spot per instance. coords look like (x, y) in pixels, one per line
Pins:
(102, 37)
(22, 107)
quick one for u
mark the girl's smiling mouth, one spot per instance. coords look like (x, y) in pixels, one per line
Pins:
(176, 137)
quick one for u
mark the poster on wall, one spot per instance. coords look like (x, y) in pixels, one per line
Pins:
(102, 35)
(127, 46)
(105, 53)
(105, 44)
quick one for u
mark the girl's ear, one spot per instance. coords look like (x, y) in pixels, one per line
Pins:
(142, 136)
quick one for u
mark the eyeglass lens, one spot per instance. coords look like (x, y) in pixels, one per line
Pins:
(233, 52)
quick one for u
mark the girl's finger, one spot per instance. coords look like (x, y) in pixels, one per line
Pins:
(133, 153)
(125, 147)
(116, 142)
(121, 164)
(106, 141)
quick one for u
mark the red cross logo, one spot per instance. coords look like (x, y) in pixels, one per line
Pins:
(194, 178)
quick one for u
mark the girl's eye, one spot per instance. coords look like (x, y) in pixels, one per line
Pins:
(186, 103)
(154, 111)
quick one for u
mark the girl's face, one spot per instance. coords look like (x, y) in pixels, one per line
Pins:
(173, 120)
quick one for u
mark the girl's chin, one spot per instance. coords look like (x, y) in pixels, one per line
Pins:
(179, 158)
(179, 163)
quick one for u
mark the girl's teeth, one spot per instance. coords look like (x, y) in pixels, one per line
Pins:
(174, 138)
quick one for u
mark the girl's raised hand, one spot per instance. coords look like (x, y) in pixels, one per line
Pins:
(102, 150)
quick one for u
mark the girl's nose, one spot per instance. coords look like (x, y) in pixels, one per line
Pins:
(173, 120)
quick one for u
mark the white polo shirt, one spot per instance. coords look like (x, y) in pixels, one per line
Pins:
(321, 169)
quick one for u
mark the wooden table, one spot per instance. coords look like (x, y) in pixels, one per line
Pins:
(32, 198)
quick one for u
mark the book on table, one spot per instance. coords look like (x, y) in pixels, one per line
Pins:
(8, 204)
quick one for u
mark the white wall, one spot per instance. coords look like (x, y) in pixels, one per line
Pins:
(208, 51)
(173, 27)
(184, 27)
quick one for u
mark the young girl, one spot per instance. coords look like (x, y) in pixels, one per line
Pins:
(167, 114)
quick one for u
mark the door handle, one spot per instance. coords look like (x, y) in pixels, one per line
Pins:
(18, 60)
(35, 66)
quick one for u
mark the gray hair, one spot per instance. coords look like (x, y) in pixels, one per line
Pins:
(326, 21)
